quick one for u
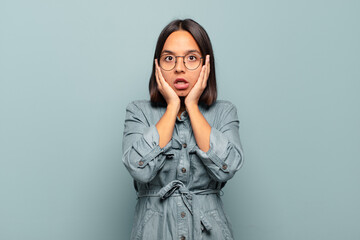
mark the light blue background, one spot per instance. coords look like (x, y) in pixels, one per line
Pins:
(68, 69)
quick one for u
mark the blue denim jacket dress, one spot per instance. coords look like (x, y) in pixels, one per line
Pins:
(178, 185)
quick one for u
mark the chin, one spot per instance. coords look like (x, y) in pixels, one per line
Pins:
(183, 94)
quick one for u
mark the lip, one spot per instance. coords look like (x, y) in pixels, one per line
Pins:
(180, 80)
(181, 86)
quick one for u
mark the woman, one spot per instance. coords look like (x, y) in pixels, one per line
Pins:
(183, 145)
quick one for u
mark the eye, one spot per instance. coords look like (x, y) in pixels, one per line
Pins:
(192, 58)
(169, 58)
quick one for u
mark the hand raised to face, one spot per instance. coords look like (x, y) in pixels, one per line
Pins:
(195, 93)
(164, 88)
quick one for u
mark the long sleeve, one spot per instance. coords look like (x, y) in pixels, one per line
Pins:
(142, 154)
(225, 155)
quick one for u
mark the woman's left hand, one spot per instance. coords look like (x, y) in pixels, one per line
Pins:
(195, 93)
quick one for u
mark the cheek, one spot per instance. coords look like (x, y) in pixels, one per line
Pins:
(195, 76)
(166, 75)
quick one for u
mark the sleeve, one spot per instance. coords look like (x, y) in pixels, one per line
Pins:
(225, 155)
(142, 154)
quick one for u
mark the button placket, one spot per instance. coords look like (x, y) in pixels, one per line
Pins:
(183, 167)
(183, 161)
(182, 220)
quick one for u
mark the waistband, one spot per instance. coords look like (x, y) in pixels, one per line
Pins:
(178, 188)
(176, 193)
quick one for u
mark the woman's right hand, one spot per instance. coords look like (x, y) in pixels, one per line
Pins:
(164, 88)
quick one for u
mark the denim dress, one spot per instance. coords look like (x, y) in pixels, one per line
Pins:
(178, 186)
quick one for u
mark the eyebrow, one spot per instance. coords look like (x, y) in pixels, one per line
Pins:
(171, 52)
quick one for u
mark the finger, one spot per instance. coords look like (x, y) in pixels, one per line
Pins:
(201, 77)
(207, 71)
(161, 77)
(208, 65)
(205, 77)
(157, 74)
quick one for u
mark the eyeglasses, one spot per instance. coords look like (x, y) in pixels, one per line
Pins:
(191, 61)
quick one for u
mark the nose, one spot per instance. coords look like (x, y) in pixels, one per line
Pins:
(179, 65)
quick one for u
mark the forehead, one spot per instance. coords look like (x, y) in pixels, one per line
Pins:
(180, 42)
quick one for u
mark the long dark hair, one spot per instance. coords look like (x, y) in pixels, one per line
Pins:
(209, 95)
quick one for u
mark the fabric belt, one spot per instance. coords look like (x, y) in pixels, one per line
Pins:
(178, 188)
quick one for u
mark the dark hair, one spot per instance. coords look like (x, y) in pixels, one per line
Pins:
(209, 95)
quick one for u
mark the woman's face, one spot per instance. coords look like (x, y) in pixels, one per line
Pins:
(181, 79)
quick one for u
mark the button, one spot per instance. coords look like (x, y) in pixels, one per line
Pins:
(141, 163)
(184, 145)
(183, 170)
(183, 214)
(183, 238)
(224, 166)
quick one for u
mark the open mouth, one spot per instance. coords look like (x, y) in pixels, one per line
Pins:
(181, 84)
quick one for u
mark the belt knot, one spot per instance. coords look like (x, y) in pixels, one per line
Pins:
(200, 220)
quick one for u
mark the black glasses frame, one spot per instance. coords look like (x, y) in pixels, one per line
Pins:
(176, 57)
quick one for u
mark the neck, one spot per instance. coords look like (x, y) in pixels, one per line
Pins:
(182, 106)
(182, 103)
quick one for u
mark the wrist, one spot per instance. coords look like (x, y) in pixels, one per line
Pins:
(191, 102)
(173, 106)
(191, 106)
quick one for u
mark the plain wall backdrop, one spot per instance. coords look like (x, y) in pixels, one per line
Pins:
(68, 69)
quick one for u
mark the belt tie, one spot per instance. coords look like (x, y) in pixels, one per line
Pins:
(191, 202)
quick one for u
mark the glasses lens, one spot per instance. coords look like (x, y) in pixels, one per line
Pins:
(167, 62)
(192, 61)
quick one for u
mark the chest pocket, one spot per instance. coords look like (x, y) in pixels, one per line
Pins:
(168, 171)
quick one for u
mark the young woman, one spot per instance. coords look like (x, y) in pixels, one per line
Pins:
(183, 145)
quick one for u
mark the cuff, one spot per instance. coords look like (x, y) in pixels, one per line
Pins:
(148, 147)
(217, 151)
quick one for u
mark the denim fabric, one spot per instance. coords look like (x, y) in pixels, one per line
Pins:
(178, 185)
